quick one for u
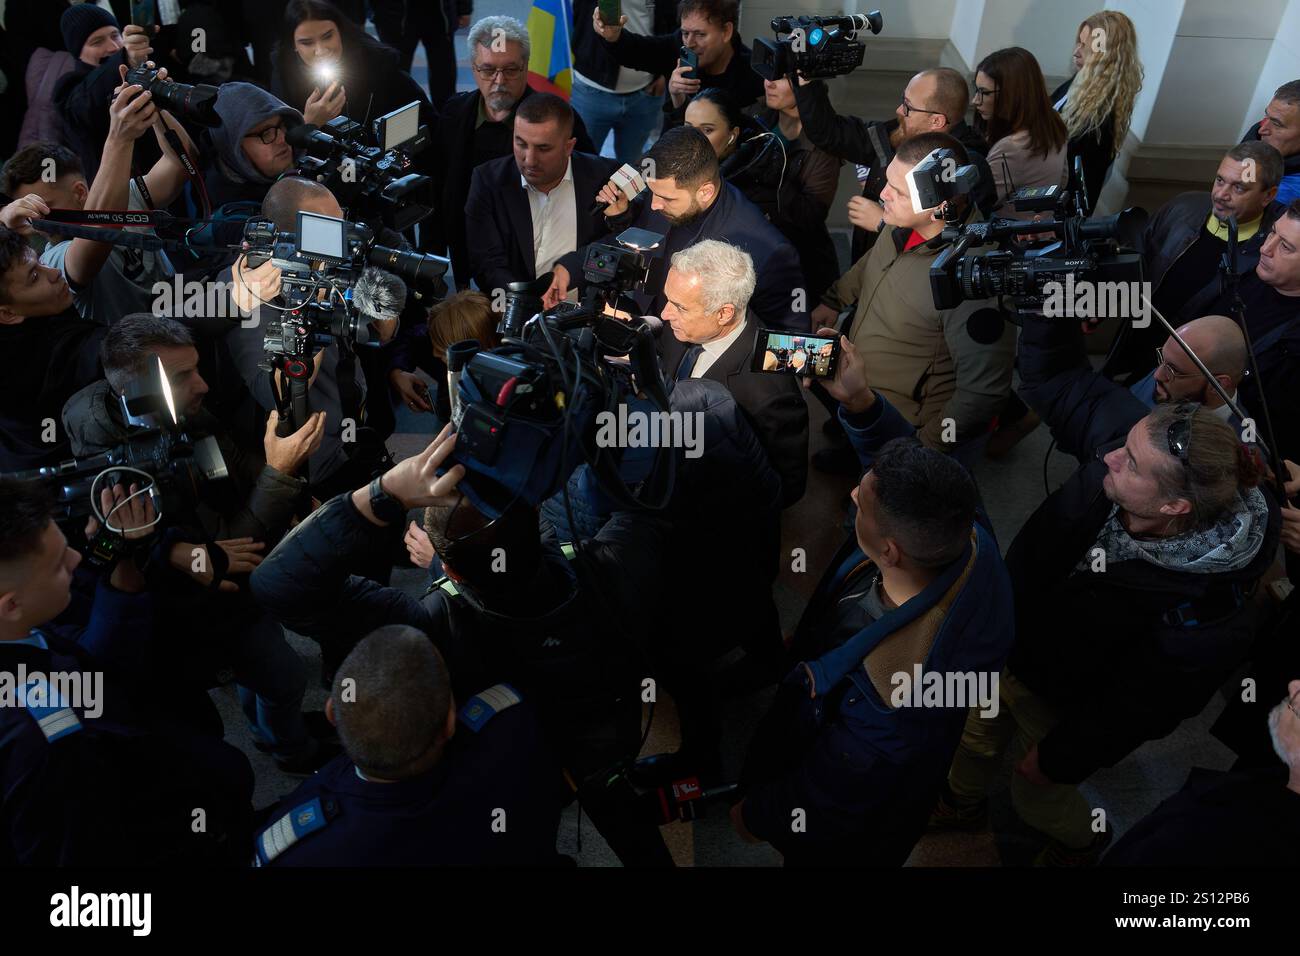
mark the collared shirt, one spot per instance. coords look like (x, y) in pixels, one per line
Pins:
(1219, 230)
(555, 221)
(34, 638)
(713, 350)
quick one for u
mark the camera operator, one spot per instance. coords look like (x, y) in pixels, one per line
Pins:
(710, 29)
(1132, 585)
(92, 35)
(338, 384)
(922, 359)
(47, 352)
(1187, 237)
(240, 519)
(688, 201)
(1218, 342)
(107, 280)
(531, 622)
(421, 782)
(92, 771)
(921, 585)
(934, 101)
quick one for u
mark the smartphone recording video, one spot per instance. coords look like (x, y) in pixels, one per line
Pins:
(813, 356)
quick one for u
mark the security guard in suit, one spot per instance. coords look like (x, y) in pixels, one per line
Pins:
(421, 783)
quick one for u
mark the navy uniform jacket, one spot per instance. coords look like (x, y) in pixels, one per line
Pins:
(492, 800)
(119, 788)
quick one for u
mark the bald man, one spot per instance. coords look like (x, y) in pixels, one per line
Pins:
(1218, 342)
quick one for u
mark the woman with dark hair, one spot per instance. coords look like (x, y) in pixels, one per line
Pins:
(327, 66)
(1097, 103)
(767, 157)
(1028, 140)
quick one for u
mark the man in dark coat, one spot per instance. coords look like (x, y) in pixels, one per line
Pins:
(477, 126)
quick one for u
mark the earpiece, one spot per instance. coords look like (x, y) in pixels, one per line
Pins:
(732, 140)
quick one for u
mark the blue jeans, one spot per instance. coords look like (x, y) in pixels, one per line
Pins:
(632, 117)
(272, 680)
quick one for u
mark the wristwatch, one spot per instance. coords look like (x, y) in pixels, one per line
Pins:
(386, 508)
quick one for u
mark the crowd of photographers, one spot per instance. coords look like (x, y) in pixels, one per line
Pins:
(207, 387)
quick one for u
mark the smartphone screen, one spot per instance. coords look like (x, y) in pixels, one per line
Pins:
(813, 356)
(142, 13)
(690, 58)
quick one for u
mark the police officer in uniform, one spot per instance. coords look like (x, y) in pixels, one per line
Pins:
(422, 783)
(88, 775)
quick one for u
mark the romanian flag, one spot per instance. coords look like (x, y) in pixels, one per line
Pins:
(550, 66)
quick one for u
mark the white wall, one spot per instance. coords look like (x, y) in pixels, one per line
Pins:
(1046, 28)
(1197, 105)
(1281, 66)
(1156, 22)
(965, 34)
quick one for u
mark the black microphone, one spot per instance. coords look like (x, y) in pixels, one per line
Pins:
(654, 324)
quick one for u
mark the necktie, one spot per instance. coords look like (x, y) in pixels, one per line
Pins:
(688, 362)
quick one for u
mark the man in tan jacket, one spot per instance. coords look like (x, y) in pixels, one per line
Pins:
(922, 359)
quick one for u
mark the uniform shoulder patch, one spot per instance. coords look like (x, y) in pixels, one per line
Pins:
(486, 704)
(301, 821)
(48, 708)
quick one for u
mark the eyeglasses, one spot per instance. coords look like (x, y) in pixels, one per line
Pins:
(1179, 435)
(980, 93)
(909, 109)
(1173, 372)
(507, 72)
(268, 135)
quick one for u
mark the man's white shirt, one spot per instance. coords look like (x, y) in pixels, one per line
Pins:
(555, 221)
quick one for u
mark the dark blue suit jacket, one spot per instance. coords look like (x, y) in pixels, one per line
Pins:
(734, 219)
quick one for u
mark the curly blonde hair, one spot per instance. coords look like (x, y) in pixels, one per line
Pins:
(1108, 82)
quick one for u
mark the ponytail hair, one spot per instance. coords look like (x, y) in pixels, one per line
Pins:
(1219, 467)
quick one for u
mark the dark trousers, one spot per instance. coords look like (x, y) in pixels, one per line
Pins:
(405, 25)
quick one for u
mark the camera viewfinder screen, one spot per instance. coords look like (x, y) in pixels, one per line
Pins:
(811, 355)
(321, 236)
(400, 126)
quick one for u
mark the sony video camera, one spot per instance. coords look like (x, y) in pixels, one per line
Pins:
(813, 46)
(177, 470)
(526, 412)
(370, 172)
(1093, 250)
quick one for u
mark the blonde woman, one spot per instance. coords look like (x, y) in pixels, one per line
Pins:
(1097, 104)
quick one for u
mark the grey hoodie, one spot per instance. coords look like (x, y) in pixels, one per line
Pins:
(242, 106)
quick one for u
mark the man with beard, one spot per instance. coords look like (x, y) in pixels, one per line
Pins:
(1218, 342)
(687, 201)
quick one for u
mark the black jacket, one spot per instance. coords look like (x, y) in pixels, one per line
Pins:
(734, 219)
(1097, 150)
(793, 185)
(452, 158)
(593, 57)
(658, 55)
(43, 361)
(501, 240)
(120, 790)
(867, 144)
(1173, 229)
(774, 405)
(1125, 655)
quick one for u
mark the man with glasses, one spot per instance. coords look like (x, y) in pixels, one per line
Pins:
(1243, 818)
(248, 149)
(1217, 341)
(934, 101)
(1132, 584)
(477, 126)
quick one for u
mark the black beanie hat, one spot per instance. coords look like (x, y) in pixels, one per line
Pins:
(80, 21)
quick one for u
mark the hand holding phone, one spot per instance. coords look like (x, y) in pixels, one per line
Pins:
(809, 356)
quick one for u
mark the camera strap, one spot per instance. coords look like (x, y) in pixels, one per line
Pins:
(111, 227)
